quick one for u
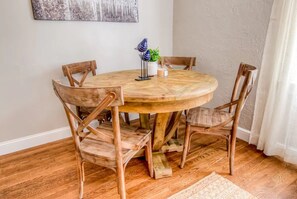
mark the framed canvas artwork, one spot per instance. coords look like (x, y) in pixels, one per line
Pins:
(86, 10)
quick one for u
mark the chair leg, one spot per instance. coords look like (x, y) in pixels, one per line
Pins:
(228, 143)
(81, 177)
(186, 146)
(149, 157)
(227, 146)
(120, 168)
(127, 118)
(121, 182)
(232, 153)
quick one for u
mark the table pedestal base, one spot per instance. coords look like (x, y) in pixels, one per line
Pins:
(173, 145)
(165, 126)
(161, 166)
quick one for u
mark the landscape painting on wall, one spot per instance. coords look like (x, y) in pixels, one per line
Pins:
(86, 10)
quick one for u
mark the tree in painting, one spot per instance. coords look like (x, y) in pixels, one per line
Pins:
(116, 10)
(86, 10)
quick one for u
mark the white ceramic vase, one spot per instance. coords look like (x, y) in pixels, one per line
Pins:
(152, 68)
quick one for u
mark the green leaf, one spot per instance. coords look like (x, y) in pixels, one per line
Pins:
(155, 55)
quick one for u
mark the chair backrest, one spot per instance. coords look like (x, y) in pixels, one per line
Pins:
(170, 62)
(84, 68)
(100, 98)
(244, 82)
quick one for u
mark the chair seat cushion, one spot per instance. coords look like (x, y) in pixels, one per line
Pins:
(205, 117)
(102, 153)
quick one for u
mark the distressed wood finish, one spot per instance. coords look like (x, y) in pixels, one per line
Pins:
(173, 145)
(144, 121)
(49, 171)
(83, 68)
(160, 130)
(181, 90)
(175, 63)
(172, 62)
(107, 145)
(161, 166)
(173, 126)
(76, 74)
(206, 117)
(220, 122)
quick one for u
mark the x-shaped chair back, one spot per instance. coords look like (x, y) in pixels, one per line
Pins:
(219, 122)
(171, 62)
(108, 145)
(99, 99)
(243, 85)
(83, 68)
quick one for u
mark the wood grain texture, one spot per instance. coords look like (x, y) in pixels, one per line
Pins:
(76, 74)
(173, 145)
(220, 122)
(49, 171)
(206, 117)
(88, 97)
(144, 120)
(160, 130)
(82, 68)
(179, 91)
(107, 145)
(172, 127)
(161, 166)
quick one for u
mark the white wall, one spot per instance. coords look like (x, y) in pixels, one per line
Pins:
(221, 34)
(32, 52)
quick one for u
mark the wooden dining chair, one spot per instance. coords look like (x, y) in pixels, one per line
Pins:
(108, 145)
(218, 121)
(76, 74)
(172, 62)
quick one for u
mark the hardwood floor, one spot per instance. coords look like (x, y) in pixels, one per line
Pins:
(49, 171)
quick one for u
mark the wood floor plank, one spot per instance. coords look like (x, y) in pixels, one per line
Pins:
(49, 171)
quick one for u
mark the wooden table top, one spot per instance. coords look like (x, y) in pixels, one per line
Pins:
(180, 86)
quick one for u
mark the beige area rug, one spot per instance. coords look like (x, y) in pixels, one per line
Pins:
(213, 186)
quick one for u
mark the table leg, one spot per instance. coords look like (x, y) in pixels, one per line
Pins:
(161, 166)
(164, 127)
(160, 130)
(144, 120)
(173, 125)
(162, 134)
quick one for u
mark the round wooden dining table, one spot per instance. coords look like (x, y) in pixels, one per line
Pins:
(165, 96)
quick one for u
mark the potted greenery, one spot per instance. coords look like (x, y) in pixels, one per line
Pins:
(153, 62)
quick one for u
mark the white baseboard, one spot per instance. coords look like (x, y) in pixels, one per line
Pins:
(14, 145)
(243, 134)
(18, 144)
